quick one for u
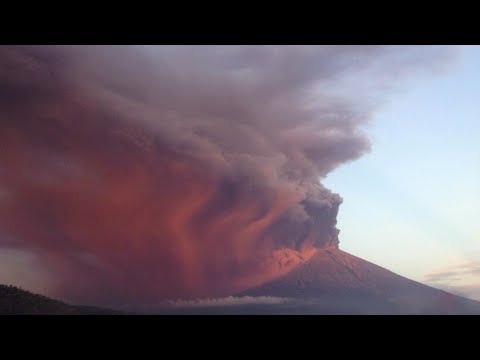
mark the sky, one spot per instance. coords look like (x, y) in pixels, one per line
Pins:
(411, 205)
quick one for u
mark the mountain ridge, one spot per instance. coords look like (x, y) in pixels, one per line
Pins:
(16, 301)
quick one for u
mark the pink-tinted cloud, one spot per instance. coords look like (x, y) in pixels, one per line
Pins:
(146, 173)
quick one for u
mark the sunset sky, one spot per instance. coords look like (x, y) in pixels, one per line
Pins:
(412, 204)
(142, 173)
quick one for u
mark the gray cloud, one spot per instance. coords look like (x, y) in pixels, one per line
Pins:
(469, 268)
(453, 279)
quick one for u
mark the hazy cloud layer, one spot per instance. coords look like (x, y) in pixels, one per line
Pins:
(463, 279)
(145, 172)
(232, 300)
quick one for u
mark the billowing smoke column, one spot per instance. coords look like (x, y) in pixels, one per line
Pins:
(142, 173)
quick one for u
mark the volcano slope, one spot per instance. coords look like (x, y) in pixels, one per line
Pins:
(335, 282)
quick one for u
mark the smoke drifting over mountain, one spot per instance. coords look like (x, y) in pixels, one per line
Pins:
(140, 173)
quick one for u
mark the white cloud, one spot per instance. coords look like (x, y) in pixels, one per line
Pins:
(231, 300)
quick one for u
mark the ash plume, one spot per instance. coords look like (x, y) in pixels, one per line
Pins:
(158, 172)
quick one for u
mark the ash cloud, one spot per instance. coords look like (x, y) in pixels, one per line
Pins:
(154, 172)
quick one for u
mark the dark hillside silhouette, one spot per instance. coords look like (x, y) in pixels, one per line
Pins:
(15, 301)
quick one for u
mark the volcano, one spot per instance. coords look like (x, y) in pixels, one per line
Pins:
(335, 282)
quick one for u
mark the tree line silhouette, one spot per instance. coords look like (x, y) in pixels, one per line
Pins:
(17, 301)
